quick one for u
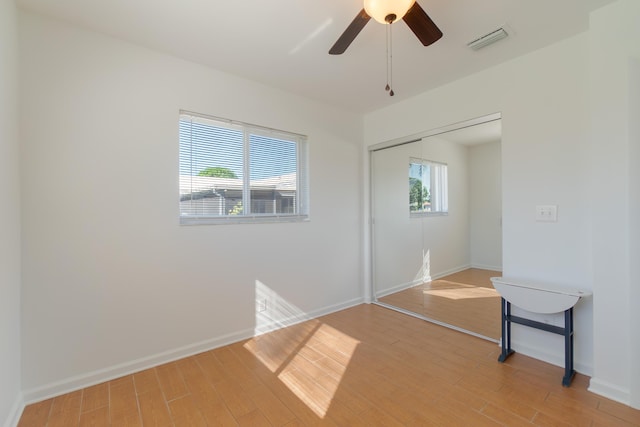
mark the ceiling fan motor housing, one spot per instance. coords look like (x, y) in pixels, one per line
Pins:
(387, 11)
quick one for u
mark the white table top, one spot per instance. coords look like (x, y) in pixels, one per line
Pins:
(537, 298)
(542, 287)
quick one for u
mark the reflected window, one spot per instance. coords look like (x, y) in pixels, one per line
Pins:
(428, 188)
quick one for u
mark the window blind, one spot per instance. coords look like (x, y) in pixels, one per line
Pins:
(428, 187)
(236, 172)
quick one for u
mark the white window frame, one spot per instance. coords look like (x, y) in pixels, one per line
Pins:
(302, 173)
(438, 188)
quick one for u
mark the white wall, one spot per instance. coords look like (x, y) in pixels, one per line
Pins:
(410, 250)
(634, 226)
(10, 386)
(614, 81)
(543, 98)
(111, 282)
(485, 204)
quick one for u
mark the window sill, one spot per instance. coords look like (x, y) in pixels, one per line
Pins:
(427, 214)
(249, 219)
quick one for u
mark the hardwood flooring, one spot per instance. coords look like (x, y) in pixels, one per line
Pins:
(364, 366)
(465, 299)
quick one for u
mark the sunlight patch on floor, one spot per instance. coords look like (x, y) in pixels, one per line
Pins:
(310, 358)
(463, 293)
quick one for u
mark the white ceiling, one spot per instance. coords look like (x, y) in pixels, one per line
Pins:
(284, 43)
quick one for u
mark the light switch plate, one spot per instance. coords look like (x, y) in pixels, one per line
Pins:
(547, 213)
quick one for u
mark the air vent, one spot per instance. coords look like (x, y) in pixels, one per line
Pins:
(488, 39)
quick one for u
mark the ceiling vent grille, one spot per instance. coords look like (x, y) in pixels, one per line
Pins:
(488, 39)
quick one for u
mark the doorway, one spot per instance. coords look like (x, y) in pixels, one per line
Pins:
(436, 225)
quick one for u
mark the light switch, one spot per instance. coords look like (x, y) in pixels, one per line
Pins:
(547, 213)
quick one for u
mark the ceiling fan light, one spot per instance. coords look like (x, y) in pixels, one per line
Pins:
(380, 9)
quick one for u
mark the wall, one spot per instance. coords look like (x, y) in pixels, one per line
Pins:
(111, 282)
(411, 250)
(614, 95)
(10, 386)
(485, 204)
(543, 99)
(634, 226)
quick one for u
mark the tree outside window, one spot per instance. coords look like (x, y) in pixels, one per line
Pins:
(427, 187)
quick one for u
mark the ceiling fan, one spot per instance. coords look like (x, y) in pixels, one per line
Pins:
(388, 12)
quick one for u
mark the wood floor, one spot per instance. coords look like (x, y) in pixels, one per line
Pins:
(465, 299)
(364, 366)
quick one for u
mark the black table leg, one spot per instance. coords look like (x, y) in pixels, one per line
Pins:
(569, 372)
(506, 330)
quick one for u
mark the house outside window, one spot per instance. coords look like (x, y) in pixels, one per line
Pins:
(232, 172)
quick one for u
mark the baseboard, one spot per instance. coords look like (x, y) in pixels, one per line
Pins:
(416, 282)
(556, 359)
(436, 276)
(610, 391)
(487, 267)
(402, 287)
(16, 412)
(302, 317)
(99, 376)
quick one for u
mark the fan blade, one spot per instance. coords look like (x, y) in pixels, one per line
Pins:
(421, 25)
(350, 33)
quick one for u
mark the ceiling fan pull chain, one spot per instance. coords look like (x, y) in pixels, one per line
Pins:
(387, 87)
(390, 61)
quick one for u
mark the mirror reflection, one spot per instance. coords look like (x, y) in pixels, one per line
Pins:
(437, 227)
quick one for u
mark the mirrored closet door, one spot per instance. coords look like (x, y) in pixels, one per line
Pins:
(437, 231)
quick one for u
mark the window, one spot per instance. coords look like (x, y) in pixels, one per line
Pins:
(235, 172)
(427, 187)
